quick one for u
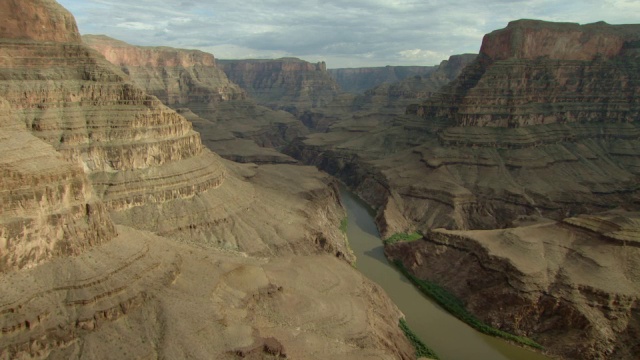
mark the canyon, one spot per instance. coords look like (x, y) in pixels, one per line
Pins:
(122, 234)
(160, 202)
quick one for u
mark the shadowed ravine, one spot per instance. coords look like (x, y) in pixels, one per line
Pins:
(447, 336)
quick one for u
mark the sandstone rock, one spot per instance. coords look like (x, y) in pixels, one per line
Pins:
(464, 160)
(378, 106)
(190, 82)
(40, 20)
(47, 205)
(81, 146)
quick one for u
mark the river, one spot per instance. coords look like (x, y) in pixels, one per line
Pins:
(450, 338)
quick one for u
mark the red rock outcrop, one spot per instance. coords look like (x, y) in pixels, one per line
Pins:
(41, 20)
(532, 39)
(535, 72)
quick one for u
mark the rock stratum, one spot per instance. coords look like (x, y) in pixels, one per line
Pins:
(190, 82)
(532, 149)
(575, 73)
(288, 84)
(113, 212)
(180, 78)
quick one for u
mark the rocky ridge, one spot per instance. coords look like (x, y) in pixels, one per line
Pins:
(573, 290)
(85, 148)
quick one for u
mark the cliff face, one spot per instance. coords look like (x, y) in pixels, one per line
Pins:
(573, 290)
(533, 73)
(54, 23)
(47, 205)
(84, 148)
(289, 84)
(357, 80)
(418, 87)
(178, 77)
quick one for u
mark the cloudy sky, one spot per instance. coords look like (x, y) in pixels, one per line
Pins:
(352, 33)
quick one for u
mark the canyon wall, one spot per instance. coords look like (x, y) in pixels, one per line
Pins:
(289, 84)
(570, 287)
(113, 212)
(357, 80)
(533, 73)
(190, 82)
(178, 77)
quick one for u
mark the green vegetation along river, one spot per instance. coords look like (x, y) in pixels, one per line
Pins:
(450, 338)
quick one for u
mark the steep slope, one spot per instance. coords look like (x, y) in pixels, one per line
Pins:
(76, 134)
(574, 290)
(357, 80)
(289, 84)
(178, 77)
(190, 82)
(47, 205)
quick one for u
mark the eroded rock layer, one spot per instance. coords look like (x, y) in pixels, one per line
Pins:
(289, 84)
(533, 72)
(465, 161)
(190, 82)
(82, 146)
(178, 77)
(47, 204)
(142, 295)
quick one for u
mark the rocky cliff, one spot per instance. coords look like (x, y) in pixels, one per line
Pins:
(357, 80)
(84, 148)
(178, 77)
(190, 82)
(289, 84)
(534, 72)
(572, 289)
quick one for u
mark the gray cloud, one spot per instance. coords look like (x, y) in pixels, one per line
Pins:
(343, 33)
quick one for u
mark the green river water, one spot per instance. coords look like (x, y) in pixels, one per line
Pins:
(450, 338)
